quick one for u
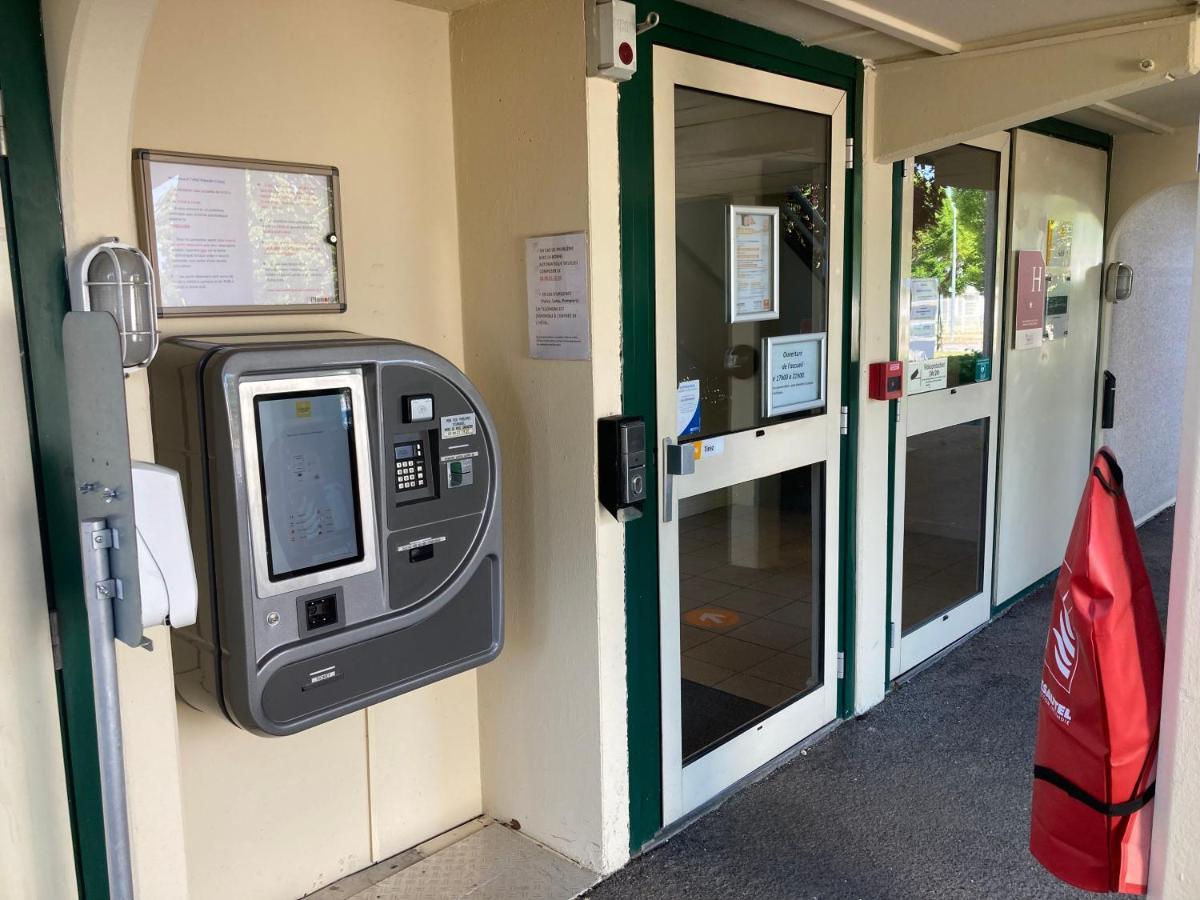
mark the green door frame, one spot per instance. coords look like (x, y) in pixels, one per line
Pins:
(33, 208)
(707, 34)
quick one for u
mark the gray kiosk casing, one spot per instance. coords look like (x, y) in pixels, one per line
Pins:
(320, 598)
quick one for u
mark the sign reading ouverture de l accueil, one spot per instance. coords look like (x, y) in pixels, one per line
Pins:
(556, 281)
(794, 373)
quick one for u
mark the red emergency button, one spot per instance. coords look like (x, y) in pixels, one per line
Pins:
(625, 52)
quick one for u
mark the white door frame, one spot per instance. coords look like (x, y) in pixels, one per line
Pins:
(922, 413)
(749, 454)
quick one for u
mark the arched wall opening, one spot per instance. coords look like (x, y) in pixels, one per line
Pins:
(1147, 343)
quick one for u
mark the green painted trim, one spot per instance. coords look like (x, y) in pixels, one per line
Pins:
(1020, 595)
(695, 31)
(42, 301)
(893, 405)
(1069, 131)
(848, 489)
(643, 663)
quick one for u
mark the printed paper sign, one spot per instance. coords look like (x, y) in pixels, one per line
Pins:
(229, 236)
(922, 318)
(927, 375)
(687, 409)
(1030, 312)
(557, 286)
(794, 376)
(754, 263)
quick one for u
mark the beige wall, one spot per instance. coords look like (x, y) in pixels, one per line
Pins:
(363, 86)
(532, 139)
(277, 80)
(1144, 163)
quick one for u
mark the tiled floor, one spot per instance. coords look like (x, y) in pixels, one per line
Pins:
(746, 599)
(481, 861)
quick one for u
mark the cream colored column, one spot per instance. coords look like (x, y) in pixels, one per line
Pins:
(1175, 865)
(535, 146)
(874, 344)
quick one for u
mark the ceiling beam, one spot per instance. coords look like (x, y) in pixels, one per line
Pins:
(1129, 117)
(933, 102)
(885, 23)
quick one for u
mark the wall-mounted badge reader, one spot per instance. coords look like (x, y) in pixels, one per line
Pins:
(343, 495)
(621, 445)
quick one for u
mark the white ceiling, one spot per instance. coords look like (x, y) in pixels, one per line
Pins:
(861, 28)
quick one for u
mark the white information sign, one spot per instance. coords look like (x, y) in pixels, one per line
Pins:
(922, 318)
(234, 236)
(557, 286)
(794, 374)
(687, 408)
(753, 263)
(927, 375)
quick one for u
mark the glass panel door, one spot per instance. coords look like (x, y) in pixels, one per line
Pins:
(945, 449)
(749, 181)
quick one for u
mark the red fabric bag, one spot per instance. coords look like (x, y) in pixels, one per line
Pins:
(1097, 737)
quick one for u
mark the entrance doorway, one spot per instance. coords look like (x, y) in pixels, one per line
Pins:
(952, 248)
(749, 181)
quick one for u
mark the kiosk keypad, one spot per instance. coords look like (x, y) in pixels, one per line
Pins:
(410, 466)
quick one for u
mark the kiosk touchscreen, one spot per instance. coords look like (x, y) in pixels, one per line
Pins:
(344, 503)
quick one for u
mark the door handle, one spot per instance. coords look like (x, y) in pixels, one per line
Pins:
(677, 460)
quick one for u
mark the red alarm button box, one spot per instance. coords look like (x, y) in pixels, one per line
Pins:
(887, 380)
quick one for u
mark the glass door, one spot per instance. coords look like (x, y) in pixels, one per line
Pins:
(749, 182)
(949, 336)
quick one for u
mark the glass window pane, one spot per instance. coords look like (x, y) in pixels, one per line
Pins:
(751, 602)
(954, 251)
(945, 489)
(735, 152)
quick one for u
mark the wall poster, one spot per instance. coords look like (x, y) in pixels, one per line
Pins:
(753, 267)
(232, 236)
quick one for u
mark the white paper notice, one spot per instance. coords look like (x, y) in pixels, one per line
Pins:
(754, 264)
(795, 373)
(927, 375)
(557, 286)
(232, 237)
(687, 408)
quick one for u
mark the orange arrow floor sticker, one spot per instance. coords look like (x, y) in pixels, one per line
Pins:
(714, 618)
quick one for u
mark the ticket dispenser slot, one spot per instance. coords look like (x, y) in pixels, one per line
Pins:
(345, 557)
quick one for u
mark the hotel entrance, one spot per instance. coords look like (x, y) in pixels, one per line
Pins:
(749, 179)
(952, 248)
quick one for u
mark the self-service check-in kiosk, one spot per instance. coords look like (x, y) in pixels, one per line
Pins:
(343, 498)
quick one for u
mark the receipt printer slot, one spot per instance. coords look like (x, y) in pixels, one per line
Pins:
(420, 554)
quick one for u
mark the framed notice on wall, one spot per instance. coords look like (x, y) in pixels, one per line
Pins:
(239, 236)
(753, 279)
(793, 373)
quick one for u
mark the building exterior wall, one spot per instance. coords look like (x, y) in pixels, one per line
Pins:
(536, 151)
(1144, 163)
(1047, 398)
(336, 92)
(1147, 344)
(216, 812)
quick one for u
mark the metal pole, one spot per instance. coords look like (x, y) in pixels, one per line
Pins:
(100, 591)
